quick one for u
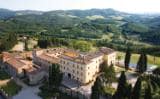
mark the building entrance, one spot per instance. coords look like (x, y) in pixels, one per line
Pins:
(69, 75)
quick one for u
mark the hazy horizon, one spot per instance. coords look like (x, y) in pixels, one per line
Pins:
(129, 6)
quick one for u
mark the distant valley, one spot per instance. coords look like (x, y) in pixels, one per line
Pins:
(100, 27)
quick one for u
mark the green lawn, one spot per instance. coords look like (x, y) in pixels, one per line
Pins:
(118, 69)
(3, 75)
(135, 57)
(109, 90)
(11, 88)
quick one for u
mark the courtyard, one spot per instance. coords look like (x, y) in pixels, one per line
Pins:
(28, 93)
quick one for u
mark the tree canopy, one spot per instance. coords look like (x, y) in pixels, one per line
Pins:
(142, 63)
(55, 76)
(127, 58)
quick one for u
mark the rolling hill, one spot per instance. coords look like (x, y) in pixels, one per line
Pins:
(117, 28)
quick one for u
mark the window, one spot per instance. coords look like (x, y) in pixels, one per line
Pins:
(81, 80)
(77, 78)
(81, 74)
(77, 72)
(88, 73)
(81, 68)
(88, 67)
(77, 66)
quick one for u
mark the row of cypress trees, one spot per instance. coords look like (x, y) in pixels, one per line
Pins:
(141, 64)
(146, 87)
(143, 88)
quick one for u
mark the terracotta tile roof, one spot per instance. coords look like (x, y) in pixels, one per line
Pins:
(54, 50)
(33, 70)
(48, 58)
(73, 55)
(15, 63)
(93, 55)
(106, 50)
(6, 55)
(82, 57)
(79, 59)
(15, 60)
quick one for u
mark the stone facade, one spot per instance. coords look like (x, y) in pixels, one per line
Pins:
(76, 65)
(80, 66)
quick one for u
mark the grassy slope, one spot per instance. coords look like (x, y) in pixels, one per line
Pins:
(11, 88)
(135, 57)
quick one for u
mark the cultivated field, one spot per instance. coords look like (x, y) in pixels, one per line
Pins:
(134, 58)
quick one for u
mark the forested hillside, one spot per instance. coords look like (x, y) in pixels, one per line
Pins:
(102, 27)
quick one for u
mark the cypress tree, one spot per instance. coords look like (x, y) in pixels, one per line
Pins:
(55, 76)
(26, 45)
(142, 63)
(112, 73)
(109, 74)
(95, 89)
(156, 71)
(136, 93)
(129, 91)
(121, 92)
(145, 62)
(103, 66)
(50, 76)
(127, 58)
(148, 94)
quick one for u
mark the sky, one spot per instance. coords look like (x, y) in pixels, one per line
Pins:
(132, 6)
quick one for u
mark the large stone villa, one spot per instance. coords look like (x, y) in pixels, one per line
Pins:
(75, 65)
